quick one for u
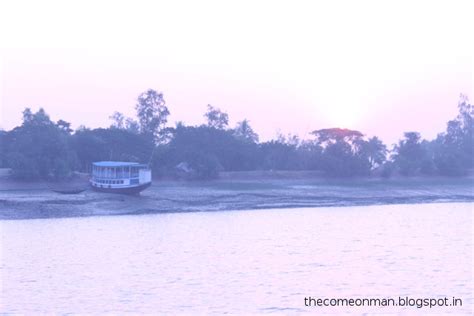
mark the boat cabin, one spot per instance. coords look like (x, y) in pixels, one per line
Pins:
(120, 177)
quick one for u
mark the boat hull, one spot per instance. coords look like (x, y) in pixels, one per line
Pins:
(70, 191)
(124, 190)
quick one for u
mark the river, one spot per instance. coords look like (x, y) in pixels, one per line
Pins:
(241, 262)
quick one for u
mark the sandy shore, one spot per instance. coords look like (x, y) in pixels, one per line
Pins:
(20, 200)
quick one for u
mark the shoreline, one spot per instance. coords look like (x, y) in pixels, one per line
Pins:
(36, 200)
(82, 180)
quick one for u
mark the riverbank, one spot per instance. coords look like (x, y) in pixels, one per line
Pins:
(36, 200)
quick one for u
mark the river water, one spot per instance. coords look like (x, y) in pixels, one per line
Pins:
(244, 262)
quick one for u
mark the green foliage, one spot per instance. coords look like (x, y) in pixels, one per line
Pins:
(277, 155)
(23, 167)
(408, 154)
(205, 166)
(39, 148)
(152, 113)
(330, 136)
(375, 150)
(346, 154)
(284, 154)
(453, 150)
(3, 149)
(387, 169)
(244, 132)
(450, 154)
(110, 144)
(64, 126)
(119, 121)
(216, 118)
(206, 150)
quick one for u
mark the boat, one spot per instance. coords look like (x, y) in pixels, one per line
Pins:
(69, 191)
(120, 177)
(75, 184)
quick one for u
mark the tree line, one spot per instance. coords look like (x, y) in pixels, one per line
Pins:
(43, 149)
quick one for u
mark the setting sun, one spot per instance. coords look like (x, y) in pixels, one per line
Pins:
(344, 115)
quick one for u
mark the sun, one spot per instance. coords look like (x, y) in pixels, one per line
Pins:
(342, 103)
(344, 115)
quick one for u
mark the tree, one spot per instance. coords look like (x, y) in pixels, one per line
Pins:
(408, 154)
(64, 126)
(132, 125)
(289, 139)
(39, 118)
(375, 150)
(453, 150)
(332, 135)
(118, 120)
(4, 139)
(39, 148)
(344, 152)
(244, 131)
(206, 150)
(278, 155)
(27, 115)
(110, 144)
(216, 118)
(152, 113)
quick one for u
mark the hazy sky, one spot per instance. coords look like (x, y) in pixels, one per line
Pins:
(382, 67)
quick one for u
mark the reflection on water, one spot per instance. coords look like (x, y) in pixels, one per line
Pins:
(261, 261)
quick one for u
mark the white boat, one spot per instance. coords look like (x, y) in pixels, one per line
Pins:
(120, 177)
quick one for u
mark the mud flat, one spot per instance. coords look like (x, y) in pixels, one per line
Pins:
(36, 200)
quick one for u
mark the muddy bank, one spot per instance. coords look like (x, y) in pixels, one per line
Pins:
(38, 201)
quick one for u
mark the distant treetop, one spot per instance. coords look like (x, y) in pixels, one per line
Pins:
(216, 118)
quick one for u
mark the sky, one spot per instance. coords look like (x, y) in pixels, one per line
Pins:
(381, 67)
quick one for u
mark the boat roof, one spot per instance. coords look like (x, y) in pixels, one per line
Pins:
(117, 164)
